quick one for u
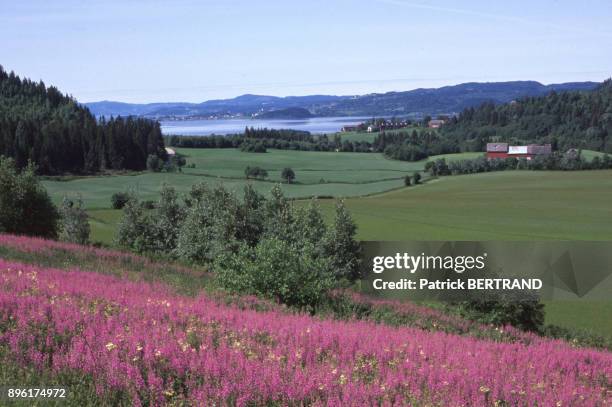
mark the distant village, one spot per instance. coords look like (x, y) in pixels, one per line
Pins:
(382, 124)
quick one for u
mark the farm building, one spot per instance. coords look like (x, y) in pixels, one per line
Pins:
(503, 150)
(347, 129)
(435, 123)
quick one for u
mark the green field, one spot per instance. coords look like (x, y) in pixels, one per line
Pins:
(369, 137)
(511, 205)
(317, 174)
(585, 315)
(358, 136)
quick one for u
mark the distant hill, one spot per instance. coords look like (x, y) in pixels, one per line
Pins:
(243, 105)
(288, 113)
(563, 119)
(448, 99)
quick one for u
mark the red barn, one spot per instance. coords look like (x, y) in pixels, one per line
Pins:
(503, 150)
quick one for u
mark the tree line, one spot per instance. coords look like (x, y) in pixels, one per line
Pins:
(52, 130)
(259, 140)
(412, 146)
(569, 161)
(397, 144)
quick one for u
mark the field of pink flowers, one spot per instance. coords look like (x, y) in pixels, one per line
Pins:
(158, 348)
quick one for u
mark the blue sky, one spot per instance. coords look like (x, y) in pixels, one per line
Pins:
(185, 50)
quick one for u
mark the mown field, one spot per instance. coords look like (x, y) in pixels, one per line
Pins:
(317, 174)
(511, 205)
(514, 205)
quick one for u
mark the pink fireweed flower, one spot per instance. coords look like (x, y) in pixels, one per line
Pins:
(197, 350)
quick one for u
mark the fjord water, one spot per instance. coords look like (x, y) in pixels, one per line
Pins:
(317, 125)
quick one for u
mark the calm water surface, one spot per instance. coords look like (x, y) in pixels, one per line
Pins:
(230, 126)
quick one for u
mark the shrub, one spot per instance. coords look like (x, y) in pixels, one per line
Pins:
(148, 204)
(209, 225)
(277, 270)
(255, 172)
(407, 180)
(75, 222)
(154, 163)
(168, 217)
(25, 206)
(417, 178)
(523, 313)
(151, 232)
(578, 337)
(134, 230)
(119, 199)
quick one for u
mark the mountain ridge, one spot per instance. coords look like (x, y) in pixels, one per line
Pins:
(421, 101)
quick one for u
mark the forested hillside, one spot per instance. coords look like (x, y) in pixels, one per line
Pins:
(566, 120)
(41, 124)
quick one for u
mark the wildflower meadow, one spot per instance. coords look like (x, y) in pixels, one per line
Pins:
(148, 345)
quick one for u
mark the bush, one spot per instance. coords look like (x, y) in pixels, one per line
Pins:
(148, 204)
(25, 206)
(134, 231)
(208, 226)
(154, 163)
(119, 199)
(155, 231)
(255, 172)
(578, 337)
(274, 269)
(523, 313)
(417, 178)
(407, 181)
(75, 222)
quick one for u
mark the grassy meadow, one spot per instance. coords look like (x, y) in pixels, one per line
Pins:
(317, 174)
(512, 205)
(358, 136)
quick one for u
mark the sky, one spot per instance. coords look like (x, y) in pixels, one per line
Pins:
(142, 51)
